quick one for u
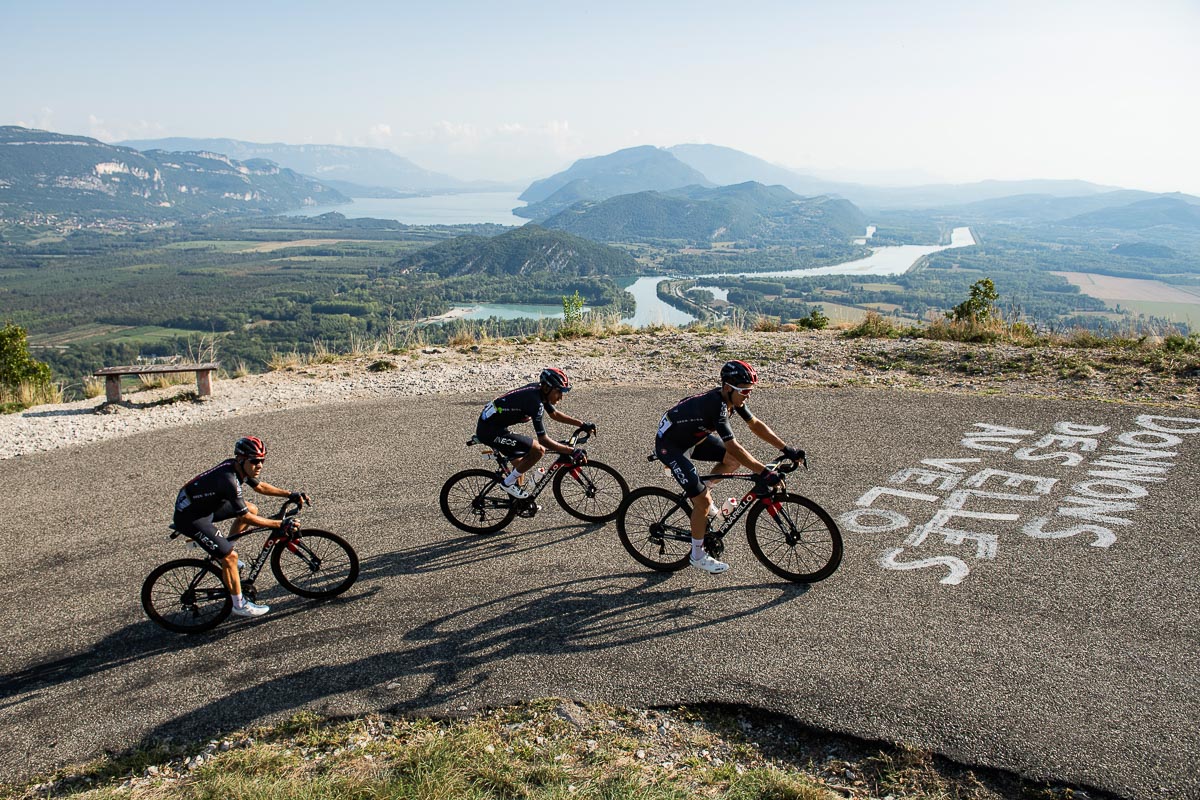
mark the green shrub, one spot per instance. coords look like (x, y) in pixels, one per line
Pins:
(815, 321)
(873, 326)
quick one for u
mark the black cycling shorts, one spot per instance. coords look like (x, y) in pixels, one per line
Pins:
(204, 533)
(512, 445)
(675, 458)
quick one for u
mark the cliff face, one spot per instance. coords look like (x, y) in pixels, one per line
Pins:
(45, 172)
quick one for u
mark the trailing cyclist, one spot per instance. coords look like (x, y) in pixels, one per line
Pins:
(698, 427)
(524, 405)
(216, 495)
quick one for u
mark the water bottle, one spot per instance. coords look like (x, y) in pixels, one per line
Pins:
(728, 506)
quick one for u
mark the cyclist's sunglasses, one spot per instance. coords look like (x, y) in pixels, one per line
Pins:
(741, 391)
(257, 461)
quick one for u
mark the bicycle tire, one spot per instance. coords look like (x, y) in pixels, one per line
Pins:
(594, 499)
(470, 496)
(655, 527)
(801, 543)
(186, 596)
(319, 564)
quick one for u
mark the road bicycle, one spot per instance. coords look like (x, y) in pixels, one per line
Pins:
(474, 501)
(188, 595)
(791, 535)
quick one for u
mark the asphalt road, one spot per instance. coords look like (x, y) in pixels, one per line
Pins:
(1004, 637)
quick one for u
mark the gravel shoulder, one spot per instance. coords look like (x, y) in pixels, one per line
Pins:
(687, 360)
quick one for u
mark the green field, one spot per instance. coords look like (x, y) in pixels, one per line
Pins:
(1187, 313)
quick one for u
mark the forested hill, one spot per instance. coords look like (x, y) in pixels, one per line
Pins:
(748, 212)
(1175, 211)
(635, 169)
(58, 174)
(526, 250)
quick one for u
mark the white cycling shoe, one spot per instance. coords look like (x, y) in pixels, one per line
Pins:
(709, 564)
(249, 609)
(515, 491)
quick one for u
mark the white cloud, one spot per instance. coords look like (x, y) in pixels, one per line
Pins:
(43, 120)
(141, 129)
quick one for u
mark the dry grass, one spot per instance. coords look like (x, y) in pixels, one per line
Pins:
(29, 393)
(93, 387)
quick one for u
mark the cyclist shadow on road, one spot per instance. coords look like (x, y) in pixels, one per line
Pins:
(467, 549)
(143, 640)
(486, 647)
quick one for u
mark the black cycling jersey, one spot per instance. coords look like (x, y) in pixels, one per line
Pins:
(695, 417)
(215, 492)
(519, 405)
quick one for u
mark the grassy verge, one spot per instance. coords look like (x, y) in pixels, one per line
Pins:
(546, 749)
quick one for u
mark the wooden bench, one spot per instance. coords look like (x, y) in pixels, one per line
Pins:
(112, 377)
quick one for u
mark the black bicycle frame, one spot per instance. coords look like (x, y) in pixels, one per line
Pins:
(260, 560)
(504, 463)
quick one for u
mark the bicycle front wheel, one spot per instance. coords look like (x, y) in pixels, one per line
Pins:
(186, 596)
(656, 528)
(316, 564)
(473, 501)
(799, 541)
(591, 492)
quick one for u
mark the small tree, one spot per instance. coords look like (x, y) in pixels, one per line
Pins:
(980, 305)
(572, 315)
(815, 321)
(16, 365)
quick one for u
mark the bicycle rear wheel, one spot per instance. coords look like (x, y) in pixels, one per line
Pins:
(655, 527)
(591, 492)
(186, 596)
(800, 541)
(473, 501)
(316, 564)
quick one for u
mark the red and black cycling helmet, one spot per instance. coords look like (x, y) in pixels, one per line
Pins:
(250, 447)
(738, 372)
(553, 378)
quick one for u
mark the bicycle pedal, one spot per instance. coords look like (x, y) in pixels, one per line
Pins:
(529, 510)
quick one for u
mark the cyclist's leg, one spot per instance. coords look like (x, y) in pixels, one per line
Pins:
(521, 450)
(685, 474)
(204, 533)
(239, 522)
(711, 448)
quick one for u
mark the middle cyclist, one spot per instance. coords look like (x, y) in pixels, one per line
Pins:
(522, 405)
(688, 429)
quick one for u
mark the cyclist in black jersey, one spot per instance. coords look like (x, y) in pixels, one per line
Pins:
(699, 426)
(216, 495)
(527, 404)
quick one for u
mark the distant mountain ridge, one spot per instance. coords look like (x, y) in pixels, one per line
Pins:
(54, 173)
(364, 167)
(525, 250)
(634, 169)
(644, 168)
(748, 212)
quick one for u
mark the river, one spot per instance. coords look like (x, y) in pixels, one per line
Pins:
(893, 260)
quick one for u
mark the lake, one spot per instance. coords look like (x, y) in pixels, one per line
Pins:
(440, 209)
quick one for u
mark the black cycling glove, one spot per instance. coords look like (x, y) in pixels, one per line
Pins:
(794, 453)
(290, 525)
(578, 456)
(769, 477)
(588, 427)
(299, 498)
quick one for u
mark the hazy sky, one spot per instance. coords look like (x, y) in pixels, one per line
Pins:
(965, 90)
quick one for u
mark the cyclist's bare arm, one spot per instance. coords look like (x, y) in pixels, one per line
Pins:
(550, 444)
(733, 448)
(250, 518)
(764, 432)
(272, 491)
(565, 419)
